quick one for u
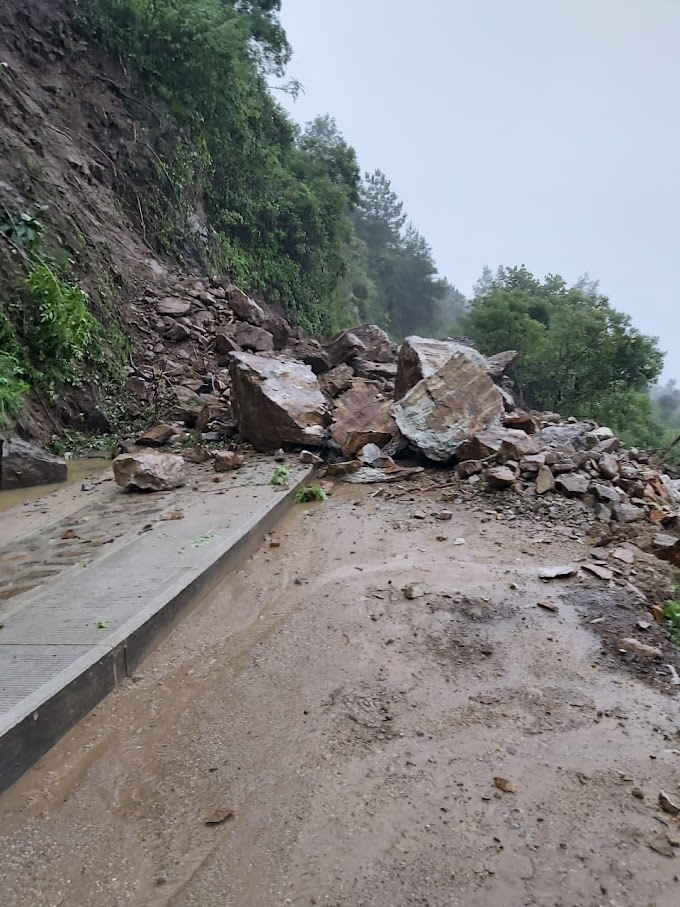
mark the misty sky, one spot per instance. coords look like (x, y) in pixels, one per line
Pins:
(537, 132)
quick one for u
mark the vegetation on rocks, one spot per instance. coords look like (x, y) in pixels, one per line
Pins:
(48, 334)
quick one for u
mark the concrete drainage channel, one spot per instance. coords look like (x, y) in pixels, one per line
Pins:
(65, 646)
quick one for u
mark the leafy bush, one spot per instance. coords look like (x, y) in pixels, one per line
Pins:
(12, 387)
(310, 493)
(281, 476)
(672, 615)
(63, 327)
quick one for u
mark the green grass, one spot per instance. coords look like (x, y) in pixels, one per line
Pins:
(281, 476)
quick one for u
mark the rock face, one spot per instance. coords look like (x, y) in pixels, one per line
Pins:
(362, 416)
(499, 477)
(277, 401)
(149, 471)
(452, 404)
(23, 465)
(421, 357)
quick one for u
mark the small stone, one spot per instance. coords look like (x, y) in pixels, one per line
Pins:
(662, 845)
(640, 648)
(548, 606)
(226, 460)
(157, 435)
(637, 793)
(572, 484)
(561, 572)
(444, 515)
(312, 459)
(499, 477)
(672, 807)
(603, 573)
(412, 591)
(280, 456)
(628, 513)
(545, 481)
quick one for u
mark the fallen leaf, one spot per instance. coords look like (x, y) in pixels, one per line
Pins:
(219, 816)
(103, 624)
(69, 534)
(173, 515)
(503, 784)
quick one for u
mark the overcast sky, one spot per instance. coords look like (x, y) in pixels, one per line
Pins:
(537, 132)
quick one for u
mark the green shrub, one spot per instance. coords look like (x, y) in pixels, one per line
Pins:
(310, 493)
(63, 327)
(13, 388)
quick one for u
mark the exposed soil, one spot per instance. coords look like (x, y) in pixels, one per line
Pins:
(355, 735)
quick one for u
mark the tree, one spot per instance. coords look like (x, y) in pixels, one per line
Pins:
(400, 260)
(576, 354)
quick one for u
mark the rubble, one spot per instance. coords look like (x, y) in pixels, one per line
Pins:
(237, 369)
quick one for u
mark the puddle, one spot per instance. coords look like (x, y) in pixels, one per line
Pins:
(78, 471)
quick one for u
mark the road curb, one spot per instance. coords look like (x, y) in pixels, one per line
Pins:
(34, 725)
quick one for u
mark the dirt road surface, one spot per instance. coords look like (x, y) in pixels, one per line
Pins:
(342, 739)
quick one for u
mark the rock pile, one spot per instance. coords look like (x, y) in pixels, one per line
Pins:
(237, 368)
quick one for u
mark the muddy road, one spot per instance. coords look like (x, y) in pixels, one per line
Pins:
(341, 740)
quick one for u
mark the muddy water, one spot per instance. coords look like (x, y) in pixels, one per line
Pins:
(356, 736)
(78, 471)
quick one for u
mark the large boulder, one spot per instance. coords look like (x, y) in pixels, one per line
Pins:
(277, 401)
(343, 347)
(311, 353)
(244, 307)
(23, 465)
(280, 330)
(362, 416)
(497, 441)
(454, 403)
(337, 381)
(565, 435)
(421, 357)
(376, 371)
(252, 338)
(149, 471)
(379, 347)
